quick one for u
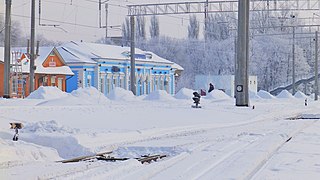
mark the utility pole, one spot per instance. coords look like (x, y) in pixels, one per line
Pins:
(316, 78)
(293, 62)
(132, 54)
(7, 46)
(106, 6)
(206, 20)
(32, 40)
(241, 74)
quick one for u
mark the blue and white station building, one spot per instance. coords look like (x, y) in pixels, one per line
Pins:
(107, 66)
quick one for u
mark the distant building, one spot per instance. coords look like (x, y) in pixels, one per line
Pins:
(50, 70)
(77, 65)
(224, 83)
(107, 66)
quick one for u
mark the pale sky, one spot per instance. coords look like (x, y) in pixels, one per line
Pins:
(79, 19)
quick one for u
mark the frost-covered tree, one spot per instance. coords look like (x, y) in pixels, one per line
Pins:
(1, 30)
(126, 32)
(141, 28)
(193, 28)
(154, 27)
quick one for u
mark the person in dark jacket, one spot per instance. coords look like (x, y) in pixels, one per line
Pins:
(211, 87)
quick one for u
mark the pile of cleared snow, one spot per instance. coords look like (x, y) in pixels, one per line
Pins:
(47, 127)
(253, 95)
(22, 151)
(265, 95)
(47, 92)
(81, 96)
(161, 95)
(284, 94)
(88, 93)
(184, 93)
(121, 94)
(300, 94)
(51, 134)
(217, 94)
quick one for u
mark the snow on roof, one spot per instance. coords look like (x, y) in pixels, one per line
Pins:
(177, 66)
(71, 53)
(43, 54)
(97, 51)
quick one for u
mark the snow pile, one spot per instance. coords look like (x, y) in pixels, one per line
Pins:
(217, 94)
(284, 94)
(47, 92)
(47, 127)
(21, 151)
(184, 93)
(121, 94)
(89, 93)
(265, 95)
(300, 94)
(254, 95)
(81, 96)
(161, 95)
(51, 134)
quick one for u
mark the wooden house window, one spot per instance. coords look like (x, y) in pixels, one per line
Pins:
(53, 81)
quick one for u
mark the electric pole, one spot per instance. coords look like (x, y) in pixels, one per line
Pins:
(32, 40)
(241, 74)
(106, 5)
(206, 20)
(132, 55)
(316, 78)
(293, 62)
(7, 46)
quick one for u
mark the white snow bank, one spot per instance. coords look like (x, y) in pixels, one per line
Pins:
(47, 92)
(121, 94)
(217, 94)
(300, 94)
(265, 95)
(81, 96)
(184, 93)
(254, 95)
(47, 127)
(285, 94)
(161, 95)
(19, 151)
(50, 134)
(88, 93)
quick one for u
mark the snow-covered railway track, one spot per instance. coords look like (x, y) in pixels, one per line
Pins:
(262, 165)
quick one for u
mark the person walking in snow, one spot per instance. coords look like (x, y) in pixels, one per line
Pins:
(211, 87)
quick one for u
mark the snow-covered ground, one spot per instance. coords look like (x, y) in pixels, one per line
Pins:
(218, 141)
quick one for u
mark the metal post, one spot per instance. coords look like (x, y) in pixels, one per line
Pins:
(316, 78)
(32, 40)
(293, 62)
(7, 46)
(206, 20)
(106, 23)
(132, 54)
(241, 75)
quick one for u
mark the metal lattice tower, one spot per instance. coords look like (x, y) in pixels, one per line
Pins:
(221, 7)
